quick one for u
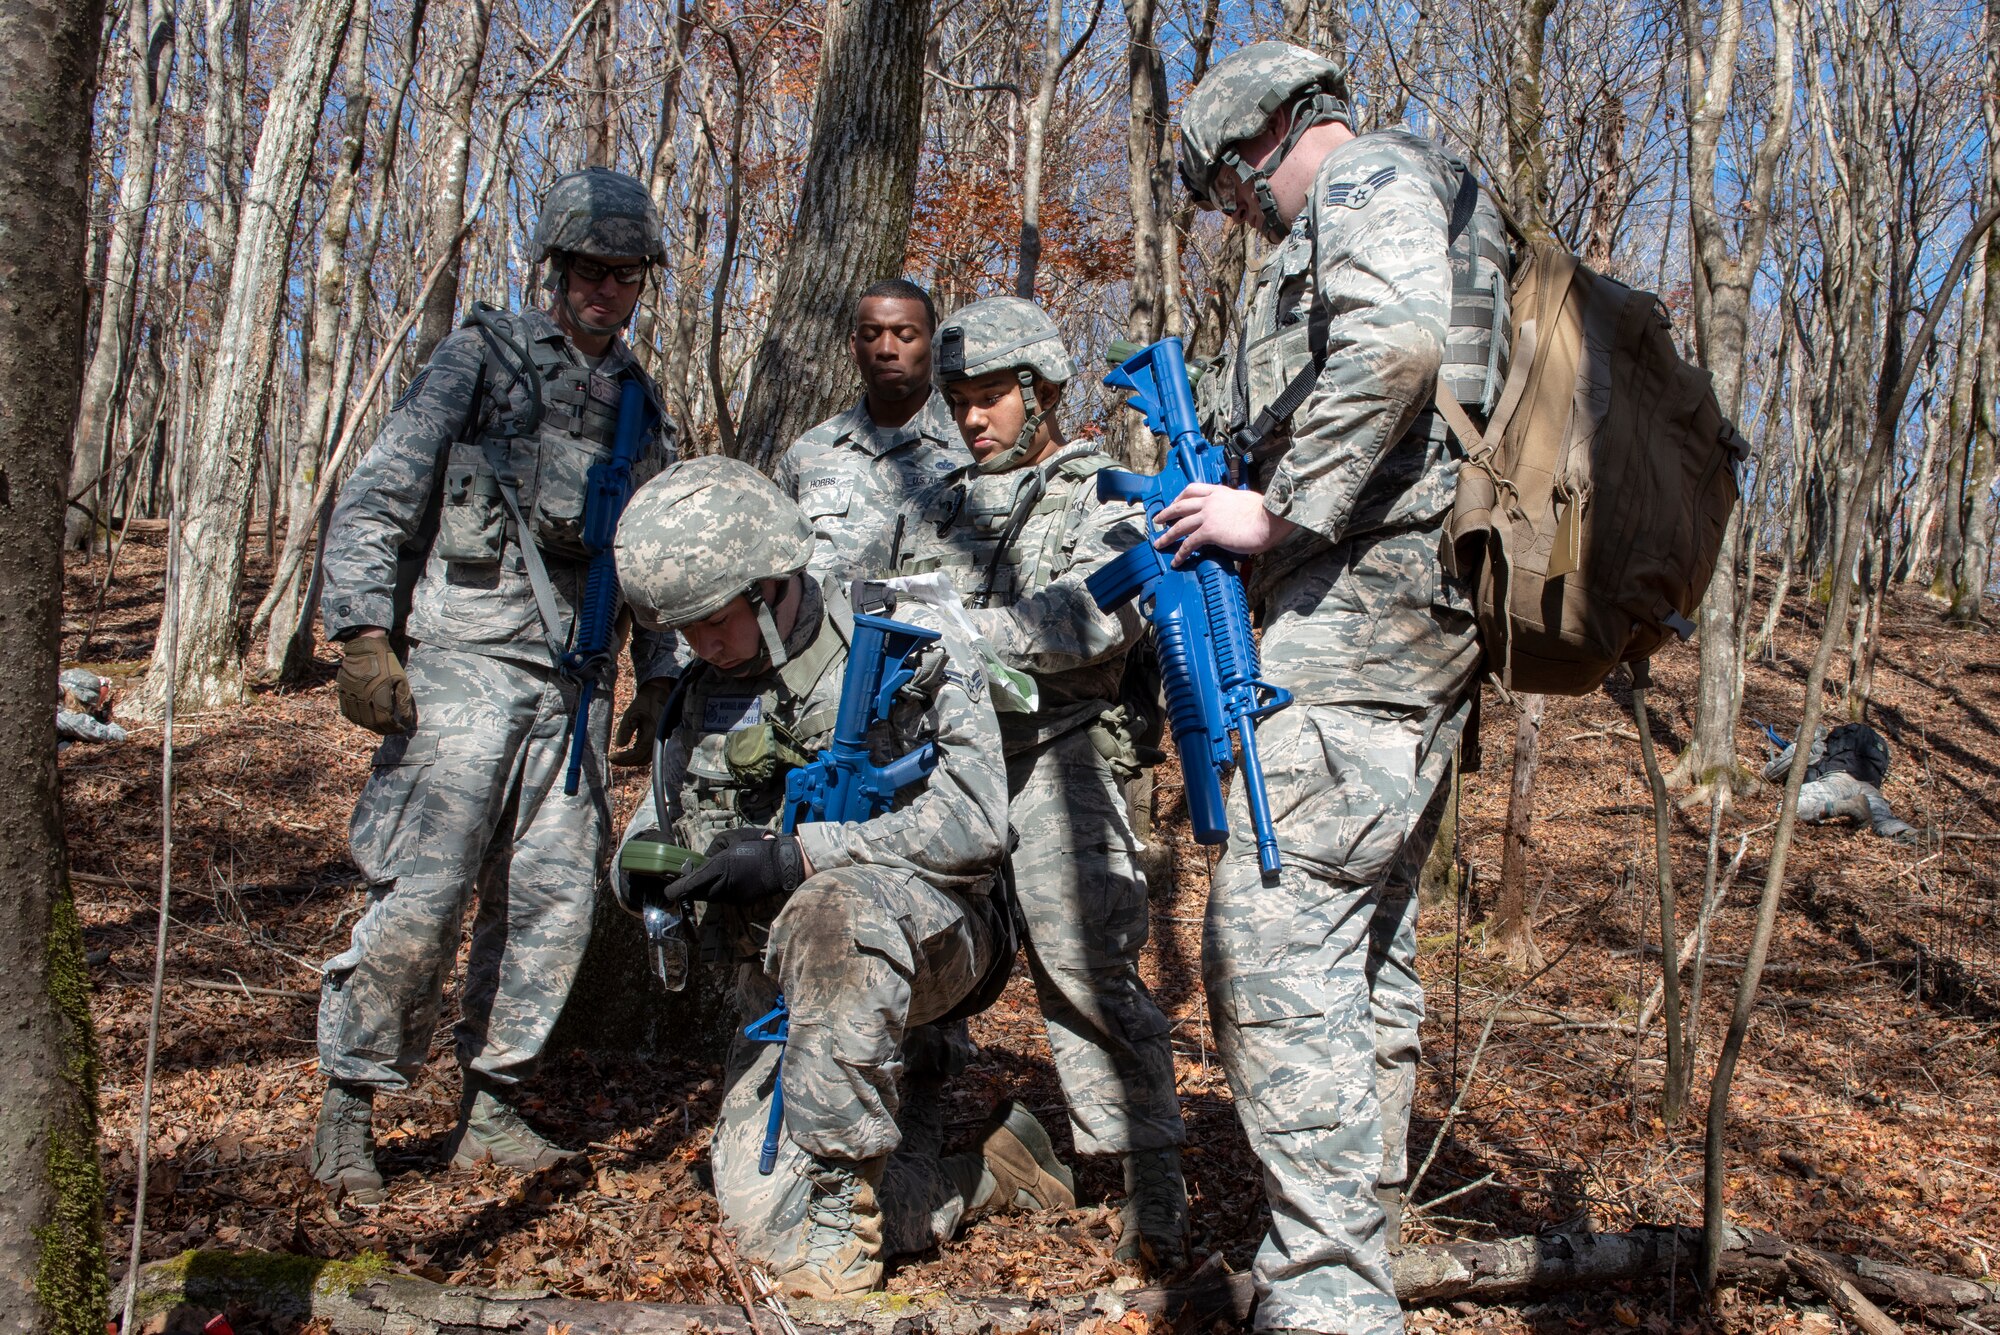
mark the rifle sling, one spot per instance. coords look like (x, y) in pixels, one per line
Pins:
(531, 557)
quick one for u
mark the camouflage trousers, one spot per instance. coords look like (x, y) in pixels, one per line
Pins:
(1084, 903)
(473, 796)
(1311, 979)
(1838, 795)
(863, 956)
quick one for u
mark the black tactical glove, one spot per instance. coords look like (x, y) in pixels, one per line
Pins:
(745, 865)
(373, 688)
(641, 720)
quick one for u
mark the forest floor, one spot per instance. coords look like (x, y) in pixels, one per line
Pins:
(1866, 1116)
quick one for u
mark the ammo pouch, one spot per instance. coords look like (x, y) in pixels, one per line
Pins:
(472, 522)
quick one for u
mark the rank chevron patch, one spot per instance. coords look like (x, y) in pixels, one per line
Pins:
(1356, 194)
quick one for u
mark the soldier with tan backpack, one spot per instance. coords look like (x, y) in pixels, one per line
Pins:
(1451, 464)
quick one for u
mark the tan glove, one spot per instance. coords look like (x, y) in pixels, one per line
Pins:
(641, 719)
(374, 689)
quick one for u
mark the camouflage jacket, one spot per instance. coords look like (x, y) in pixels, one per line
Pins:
(1027, 597)
(1370, 258)
(724, 765)
(434, 449)
(856, 482)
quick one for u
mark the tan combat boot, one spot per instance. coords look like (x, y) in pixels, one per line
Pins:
(343, 1152)
(841, 1254)
(1019, 1169)
(491, 1128)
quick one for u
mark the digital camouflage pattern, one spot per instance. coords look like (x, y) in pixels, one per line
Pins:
(1001, 334)
(1083, 900)
(1236, 99)
(1840, 796)
(599, 212)
(891, 931)
(491, 744)
(857, 481)
(474, 593)
(680, 562)
(478, 782)
(1311, 980)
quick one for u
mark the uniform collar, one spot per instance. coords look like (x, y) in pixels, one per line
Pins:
(858, 429)
(803, 672)
(542, 328)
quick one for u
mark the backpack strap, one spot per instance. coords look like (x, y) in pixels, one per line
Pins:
(1244, 444)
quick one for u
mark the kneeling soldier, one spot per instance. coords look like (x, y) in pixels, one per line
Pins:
(867, 928)
(1019, 535)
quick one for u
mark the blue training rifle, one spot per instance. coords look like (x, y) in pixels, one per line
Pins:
(843, 783)
(1199, 613)
(609, 488)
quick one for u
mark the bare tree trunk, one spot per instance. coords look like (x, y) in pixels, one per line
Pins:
(445, 218)
(226, 38)
(1722, 289)
(1030, 250)
(1510, 931)
(600, 126)
(1148, 187)
(151, 37)
(1957, 437)
(331, 429)
(285, 654)
(1527, 163)
(661, 172)
(52, 1278)
(1663, 871)
(1607, 205)
(223, 451)
(1320, 25)
(853, 221)
(1968, 592)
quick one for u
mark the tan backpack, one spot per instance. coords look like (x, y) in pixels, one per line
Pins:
(1590, 510)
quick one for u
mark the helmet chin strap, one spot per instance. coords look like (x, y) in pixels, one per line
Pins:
(1319, 109)
(576, 316)
(1030, 424)
(767, 625)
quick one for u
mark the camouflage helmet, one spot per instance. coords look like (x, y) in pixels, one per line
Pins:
(599, 212)
(1238, 98)
(1005, 334)
(706, 531)
(1001, 334)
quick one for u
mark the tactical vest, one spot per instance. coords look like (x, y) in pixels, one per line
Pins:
(1285, 329)
(978, 525)
(569, 423)
(741, 742)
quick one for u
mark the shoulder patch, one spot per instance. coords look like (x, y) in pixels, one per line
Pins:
(411, 390)
(970, 680)
(1357, 194)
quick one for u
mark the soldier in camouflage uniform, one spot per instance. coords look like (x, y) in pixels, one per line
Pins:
(480, 475)
(1386, 284)
(868, 928)
(856, 473)
(1018, 535)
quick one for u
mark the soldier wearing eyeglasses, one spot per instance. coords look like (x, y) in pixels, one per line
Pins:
(474, 493)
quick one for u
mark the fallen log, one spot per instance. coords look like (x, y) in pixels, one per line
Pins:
(363, 1297)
